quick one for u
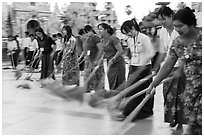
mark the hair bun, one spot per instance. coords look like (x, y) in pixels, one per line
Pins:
(187, 8)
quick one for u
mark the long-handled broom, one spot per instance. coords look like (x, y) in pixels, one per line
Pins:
(122, 127)
(175, 74)
(97, 97)
(30, 74)
(134, 113)
(106, 92)
(76, 92)
(114, 101)
(18, 73)
(125, 101)
(113, 97)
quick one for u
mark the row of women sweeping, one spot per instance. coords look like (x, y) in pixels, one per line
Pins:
(88, 48)
(183, 94)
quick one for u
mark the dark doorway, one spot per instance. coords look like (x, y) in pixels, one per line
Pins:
(32, 24)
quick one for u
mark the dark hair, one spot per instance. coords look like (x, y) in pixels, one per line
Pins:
(54, 35)
(59, 35)
(127, 26)
(39, 29)
(88, 28)
(186, 16)
(26, 32)
(81, 32)
(31, 35)
(15, 37)
(69, 33)
(165, 11)
(107, 27)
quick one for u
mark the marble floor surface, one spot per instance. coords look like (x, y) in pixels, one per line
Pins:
(35, 112)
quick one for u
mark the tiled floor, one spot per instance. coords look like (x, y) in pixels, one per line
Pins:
(35, 112)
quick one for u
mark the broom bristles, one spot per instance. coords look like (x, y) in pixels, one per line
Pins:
(95, 100)
(18, 74)
(75, 93)
(25, 86)
(100, 97)
(65, 92)
(27, 78)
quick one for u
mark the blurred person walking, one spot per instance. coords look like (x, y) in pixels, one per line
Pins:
(130, 13)
(32, 52)
(13, 50)
(156, 44)
(25, 43)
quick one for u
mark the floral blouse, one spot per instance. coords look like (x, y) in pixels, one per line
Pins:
(192, 57)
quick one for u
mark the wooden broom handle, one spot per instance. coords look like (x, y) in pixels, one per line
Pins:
(93, 72)
(133, 113)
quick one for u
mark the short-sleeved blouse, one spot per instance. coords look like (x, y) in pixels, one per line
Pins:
(110, 48)
(92, 46)
(192, 57)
